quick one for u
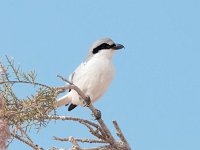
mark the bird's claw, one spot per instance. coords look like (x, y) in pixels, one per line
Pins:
(97, 114)
(87, 101)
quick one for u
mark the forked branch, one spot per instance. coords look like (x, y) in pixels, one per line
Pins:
(21, 115)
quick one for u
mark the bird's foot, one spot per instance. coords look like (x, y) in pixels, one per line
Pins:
(87, 101)
(97, 114)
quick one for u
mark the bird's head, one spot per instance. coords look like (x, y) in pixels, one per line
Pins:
(104, 47)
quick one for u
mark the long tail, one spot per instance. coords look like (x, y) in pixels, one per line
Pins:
(63, 101)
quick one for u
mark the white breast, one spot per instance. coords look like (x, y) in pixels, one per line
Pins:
(93, 78)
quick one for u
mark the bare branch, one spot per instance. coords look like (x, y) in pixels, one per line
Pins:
(73, 119)
(90, 125)
(25, 82)
(64, 79)
(35, 110)
(23, 133)
(80, 140)
(31, 144)
(75, 143)
(120, 134)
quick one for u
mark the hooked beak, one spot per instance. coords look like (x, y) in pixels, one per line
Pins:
(118, 46)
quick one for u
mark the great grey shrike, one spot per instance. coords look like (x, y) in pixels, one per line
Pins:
(94, 75)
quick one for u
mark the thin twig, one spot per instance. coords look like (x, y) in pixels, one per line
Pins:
(26, 82)
(120, 134)
(80, 140)
(74, 142)
(64, 79)
(87, 123)
(34, 146)
(13, 68)
(95, 133)
(103, 126)
(24, 133)
(3, 72)
(73, 119)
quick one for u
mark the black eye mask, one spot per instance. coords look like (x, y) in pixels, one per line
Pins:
(102, 46)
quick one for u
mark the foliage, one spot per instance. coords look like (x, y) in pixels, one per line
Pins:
(34, 111)
(31, 110)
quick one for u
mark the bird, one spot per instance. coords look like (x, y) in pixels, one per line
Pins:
(93, 76)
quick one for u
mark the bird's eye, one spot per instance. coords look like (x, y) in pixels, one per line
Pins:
(113, 45)
(102, 46)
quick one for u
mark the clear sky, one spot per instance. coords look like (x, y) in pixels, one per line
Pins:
(155, 96)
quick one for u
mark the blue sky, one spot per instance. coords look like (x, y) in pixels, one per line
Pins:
(155, 96)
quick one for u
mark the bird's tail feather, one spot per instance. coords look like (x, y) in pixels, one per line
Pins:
(62, 101)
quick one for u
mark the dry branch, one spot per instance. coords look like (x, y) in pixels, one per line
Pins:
(83, 140)
(27, 142)
(35, 111)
